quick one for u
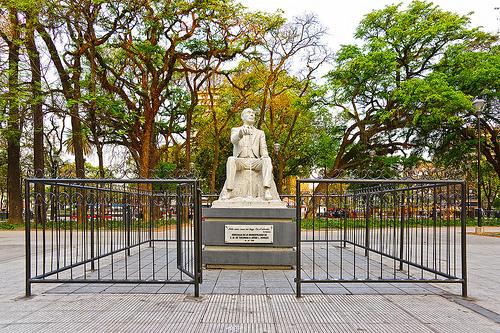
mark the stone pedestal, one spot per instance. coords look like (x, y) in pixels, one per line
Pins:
(251, 238)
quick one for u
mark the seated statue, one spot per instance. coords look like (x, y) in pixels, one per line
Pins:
(249, 172)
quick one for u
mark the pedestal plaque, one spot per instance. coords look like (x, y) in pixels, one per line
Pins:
(256, 234)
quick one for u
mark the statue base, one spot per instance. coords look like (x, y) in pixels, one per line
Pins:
(249, 237)
(248, 203)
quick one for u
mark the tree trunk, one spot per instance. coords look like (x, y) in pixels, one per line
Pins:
(76, 125)
(189, 121)
(215, 165)
(36, 107)
(145, 155)
(101, 159)
(279, 181)
(14, 127)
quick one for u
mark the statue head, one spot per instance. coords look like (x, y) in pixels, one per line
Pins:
(248, 116)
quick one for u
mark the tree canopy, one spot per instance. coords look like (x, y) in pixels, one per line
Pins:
(152, 88)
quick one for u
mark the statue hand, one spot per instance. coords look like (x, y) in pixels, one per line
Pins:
(245, 131)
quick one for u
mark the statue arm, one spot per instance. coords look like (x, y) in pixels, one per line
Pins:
(263, 145)
(235, 135)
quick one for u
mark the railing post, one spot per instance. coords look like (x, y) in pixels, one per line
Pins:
(402, 231)
(200, 233)
(128, 220)
(178, 223)
(463, 241)
(197, 247)
(27, 233)
(367, 224)
(92, 234)
(151, 207)
(298, 237)
(346, 215)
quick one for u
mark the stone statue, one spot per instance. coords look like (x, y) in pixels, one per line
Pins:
(249, 172)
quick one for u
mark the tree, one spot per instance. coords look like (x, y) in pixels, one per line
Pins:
(387, 90)
(12, 37)
(474, 69)
(69, 77)
(143, 63)
(3, 174)
(286, 100)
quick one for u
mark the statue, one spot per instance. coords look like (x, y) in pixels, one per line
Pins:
(249, 176)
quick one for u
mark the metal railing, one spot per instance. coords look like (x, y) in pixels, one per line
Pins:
(374, 230)
(113, 231)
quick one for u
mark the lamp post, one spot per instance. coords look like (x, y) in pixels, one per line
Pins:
(479, 104)
(276, 147)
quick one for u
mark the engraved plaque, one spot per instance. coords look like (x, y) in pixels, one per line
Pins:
(248, 233)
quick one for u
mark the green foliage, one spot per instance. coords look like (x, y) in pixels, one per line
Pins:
(395, 99)
(335, 223)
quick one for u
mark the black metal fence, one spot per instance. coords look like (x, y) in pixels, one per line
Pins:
(113, 231)
(370, 230)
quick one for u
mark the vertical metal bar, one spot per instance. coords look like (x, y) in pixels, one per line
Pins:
(150, 229)
(151, 241)
(367, 227)
(298, 206)
(178, 222)
(381, 232)
(464, 240)
(196, 240)
(402, 231)
(200, 226)
(92, 235)
(434, 224)
(327, 217)
(346, 216)
(27, 234)
(393, 222)
(128, 221)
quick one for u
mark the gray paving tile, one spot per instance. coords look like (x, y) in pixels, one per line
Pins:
(23, 328)
(334, 291)
(279, 291)
(173, 289)
(226, 290)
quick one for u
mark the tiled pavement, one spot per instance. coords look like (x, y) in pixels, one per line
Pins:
(239, 313)
(249, 282)
(125, 308)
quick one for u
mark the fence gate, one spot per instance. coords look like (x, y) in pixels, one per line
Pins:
(143, 231)
(371, 230)
(188, 239)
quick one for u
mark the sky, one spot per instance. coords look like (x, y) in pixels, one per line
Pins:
(342, 16)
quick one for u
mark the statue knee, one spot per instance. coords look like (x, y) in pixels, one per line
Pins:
(266, 160)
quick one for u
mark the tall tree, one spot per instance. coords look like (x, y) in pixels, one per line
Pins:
(12, 38)
(37, 110)
(141, 66)
(473, 68)
(386, 91)
(68, 64)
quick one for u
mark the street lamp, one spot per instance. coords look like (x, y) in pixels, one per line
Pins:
(479, 104)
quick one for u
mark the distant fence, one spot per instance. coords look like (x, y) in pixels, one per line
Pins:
(370, 230)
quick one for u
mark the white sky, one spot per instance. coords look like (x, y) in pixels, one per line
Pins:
(343, 16)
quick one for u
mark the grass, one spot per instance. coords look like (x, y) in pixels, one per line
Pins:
(339, 223)
(317, 223)
(67, 225)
